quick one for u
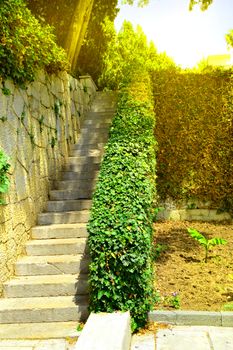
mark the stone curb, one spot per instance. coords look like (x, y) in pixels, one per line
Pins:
(192, 318)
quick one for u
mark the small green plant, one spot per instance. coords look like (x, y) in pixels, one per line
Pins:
(157, 250)
(228, 306)
(79, 327)
(41, 122)
(6, 91)
(4, 180)
(171, 300)
(156, 212)
(3, 118)
(175, 300)
(53, 141)
(205, 242)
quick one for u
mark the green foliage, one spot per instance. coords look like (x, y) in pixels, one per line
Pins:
(194, 133)
(206, 243)
(120, 228)
(157, 250)
(26, 45)
(129, 51)
(172, 300)
(204, 4)
(228, 306)
(4, 180)
(97, 37)
(229, 38)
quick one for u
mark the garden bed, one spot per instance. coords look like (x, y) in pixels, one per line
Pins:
(183, 279)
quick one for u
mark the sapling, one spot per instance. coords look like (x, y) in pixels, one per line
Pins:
(206, 243)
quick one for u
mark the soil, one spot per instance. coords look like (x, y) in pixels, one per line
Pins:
(181, 268)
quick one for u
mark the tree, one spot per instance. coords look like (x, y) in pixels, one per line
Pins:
(204, 4)
(229, 38)
(129, 51)
(95, 44)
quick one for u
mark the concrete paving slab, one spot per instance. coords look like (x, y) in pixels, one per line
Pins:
(143, 342)
(49, 344)
(221, 339)
(182, 339)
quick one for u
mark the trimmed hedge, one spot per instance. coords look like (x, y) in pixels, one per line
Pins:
(194, 134)
(120, 228)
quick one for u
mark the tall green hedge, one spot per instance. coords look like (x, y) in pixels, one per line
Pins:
(194, 133)
(120, 227)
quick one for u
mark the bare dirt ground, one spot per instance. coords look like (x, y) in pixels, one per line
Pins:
(182, 277)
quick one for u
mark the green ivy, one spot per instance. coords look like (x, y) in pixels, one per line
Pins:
(4, 180)
(26, 45)
(120, 228)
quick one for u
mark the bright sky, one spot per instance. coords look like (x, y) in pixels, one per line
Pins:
(185, 36)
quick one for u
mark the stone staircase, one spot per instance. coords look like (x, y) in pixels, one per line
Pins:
(51, 286)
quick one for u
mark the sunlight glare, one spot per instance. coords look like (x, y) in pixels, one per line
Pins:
(185, 36)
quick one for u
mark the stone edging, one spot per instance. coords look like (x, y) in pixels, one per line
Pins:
(192, 318)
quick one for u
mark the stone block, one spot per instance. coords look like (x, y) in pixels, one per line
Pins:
(162, 316)
(106, 331)
(227, 318)
(198, 318)
(182, 339)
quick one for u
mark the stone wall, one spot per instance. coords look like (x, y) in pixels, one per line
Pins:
(192, 210)
(37, 127)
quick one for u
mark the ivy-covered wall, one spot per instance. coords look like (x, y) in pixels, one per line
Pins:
(37, 126)
(194, 132)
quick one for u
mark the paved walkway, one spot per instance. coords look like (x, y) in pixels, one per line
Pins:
(51, 344)
(172, 338)
(186, 338)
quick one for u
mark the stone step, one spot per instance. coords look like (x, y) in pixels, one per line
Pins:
(44, 330)
(103, 108)
(85, 185)
(87, 138)
(88, 145)
(46, 286)
(52, 265)
(87, 152)
(90, 131)
(43, 309)
(82, 167)
(58, 195)
(60, 231)
(68, 217)
(94, 129)
(96, 122)
(68, 205)
(80, 160)
(61, 246)
(79, 175)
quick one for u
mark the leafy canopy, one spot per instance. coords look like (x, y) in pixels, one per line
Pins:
(129, 51)
(204, 4)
